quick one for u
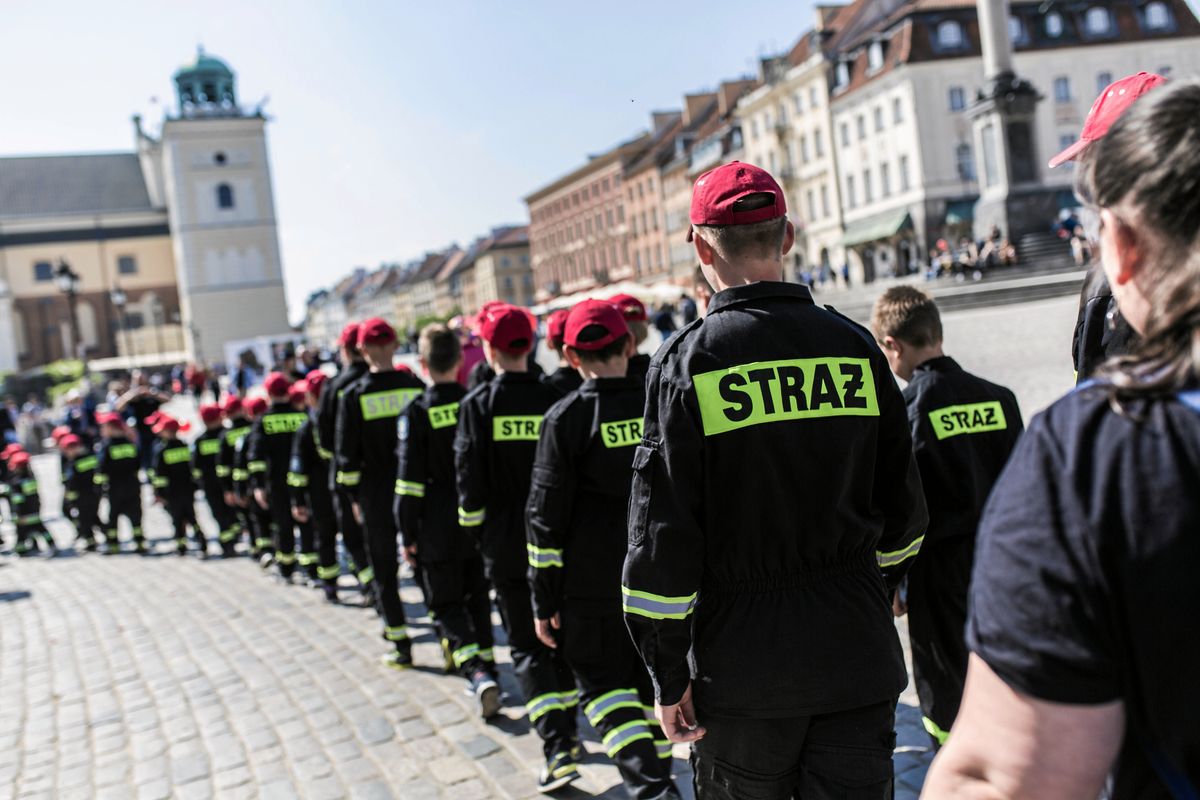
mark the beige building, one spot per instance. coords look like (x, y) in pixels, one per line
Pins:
(503, 269)
(645, 210)
(902, 86)
(178, 237)
(786, 126)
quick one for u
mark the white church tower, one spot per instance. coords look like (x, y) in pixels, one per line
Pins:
(212, 168)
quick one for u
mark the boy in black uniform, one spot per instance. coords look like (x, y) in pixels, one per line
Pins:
(117, 474)
(426, 503)
(498, 425)
(268, 452)
(262, 542)
(81, 491)
(206, 451)
(775, 505)
(174, 487)
(354, 366)
(308, 482)
(566, 378)
(366, 453)
(963, 430)
(26, 507)
(576, 532)
(236, 427)
(638, 321)
(307, 558)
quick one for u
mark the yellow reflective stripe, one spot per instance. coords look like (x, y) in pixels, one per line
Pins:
(544, 557)
(306, 559)
(85, 464)
(470, 519)
(285, 558)
(443, 416)
(264, 542)
(208, 447)
(176, 455)
(937, 733)
(791, 389)
(223, 471)
(653, 606)
(366, 575)
(605, 704)
(159, 483)
(409, 488)
(545, 703)
(348, 478)
(487, 654)
(240, 474)
(297, 480)
(665, 748)
(624, 735)
(100, 479)
(323, 453)
(395, 633)
(898, 556)
(329, 573)
(257, 466)
(283, 423)
(464, 654)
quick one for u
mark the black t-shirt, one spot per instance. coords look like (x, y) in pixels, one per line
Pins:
(1085, 587)
(141, 407)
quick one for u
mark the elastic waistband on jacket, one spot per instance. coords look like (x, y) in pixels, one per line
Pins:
(798, 579)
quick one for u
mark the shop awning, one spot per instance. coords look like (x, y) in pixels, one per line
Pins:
(877, 228)
(960, 211)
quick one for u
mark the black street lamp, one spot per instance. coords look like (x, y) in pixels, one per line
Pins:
(68, 283)
(119, 300)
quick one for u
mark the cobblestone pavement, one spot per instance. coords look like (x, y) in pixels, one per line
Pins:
(165, 677)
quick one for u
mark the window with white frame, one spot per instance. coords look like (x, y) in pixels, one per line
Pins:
(1158, 16)
(851, 194)
(842, 74)
(878, 118)
(803, 149)
(897, 110)
(875, 56)
(904, 176)
(811, 197)
(798, 101)
(818, 143)
(845, 129)
(965, 161)
(824, 200)
(860, 124)
(1016, 29)
(813, 97)
(949, 35)
(885, 179)
(1103, 79)
(1098, 20)
(1054, 25)
(868, 187)
(958, 98)
(1062, 89)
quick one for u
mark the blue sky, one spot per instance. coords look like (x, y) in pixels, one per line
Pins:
(398, 127)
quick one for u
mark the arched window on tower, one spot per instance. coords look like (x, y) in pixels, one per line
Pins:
(224, 196)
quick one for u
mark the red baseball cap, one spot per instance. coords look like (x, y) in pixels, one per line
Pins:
(349, 335)
(153, 417)
(277, 384)
(232, 404)
(556, 326)
(254, 405)
(375, 331)
(70, 440)
(593, 324)
(476, 321)
(210, 412)
(109, 418)
(717, 192)
(166, 424)
(18, 459)
(11, 450)
(59, 432)
(630, 307)
(298, 392)
(1108, 108)
(315, 380)
(507, 328)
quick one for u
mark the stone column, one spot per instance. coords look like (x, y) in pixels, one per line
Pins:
(9, 357)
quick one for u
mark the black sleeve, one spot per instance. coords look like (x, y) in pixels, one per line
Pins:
(897, 484)
(348, 438)
(661, 578)
(225, 459)
(1037, 604)
(103, 465)
(470, 465)
(159, 478)
(412, 452)
(548, 515)
(256, 455)
(327, 414)
(299, 464)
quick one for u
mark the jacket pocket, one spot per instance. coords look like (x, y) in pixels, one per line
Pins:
(639, 497)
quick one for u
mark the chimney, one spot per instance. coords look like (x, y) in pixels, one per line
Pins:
(694, 105)
(663, 119)
(824, 15)
(729, 93)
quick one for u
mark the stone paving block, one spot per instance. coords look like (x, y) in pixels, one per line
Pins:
(451, 769)
(313, 767)
(325, 789)
(232, 778)
(374, 729)
(375, 790)
(413, 729)
(358, 770)
(479, 747)
(473, 789)
(191, 767)
(418, 790)
(199, 790)
(279, 790)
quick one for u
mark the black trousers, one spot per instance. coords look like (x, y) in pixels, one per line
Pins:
(846, 755)
(129, 507)
(618, 698)
(545, 679)
(352, 534)
(283, 526)
(228, 525)
(379, 526)
(182, 511)
(938, 583)
(87, 519)
(324, 523)
(262, 538)
(457, 595)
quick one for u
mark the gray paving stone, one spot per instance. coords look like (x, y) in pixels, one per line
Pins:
(191, 767)
(418, 790)
(375, 790)
(451, 769)
(232, 778)
(374, 729)
(325, 789)
(479, 747)
(357, 770)
(279, 790)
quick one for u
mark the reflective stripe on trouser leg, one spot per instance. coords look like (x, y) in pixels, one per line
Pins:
(329, 573)
(464, 654)
(661, 742)
(625, 734)
(395, 633)
(607, 703)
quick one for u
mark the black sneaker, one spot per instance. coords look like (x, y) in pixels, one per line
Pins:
(560, 769)
(398, 659)
(576, 749)
(265, 560)
(487, 693)
(91, 546)
(140, 548)
(331, 593)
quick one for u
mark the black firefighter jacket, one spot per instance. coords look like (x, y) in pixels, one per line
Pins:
(775, 505)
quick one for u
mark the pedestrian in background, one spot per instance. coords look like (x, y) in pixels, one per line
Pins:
(566, 379)
(1084, 596)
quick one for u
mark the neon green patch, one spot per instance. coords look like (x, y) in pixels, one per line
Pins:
(968, 418)
(443, 416)
(176, 455)
(120, 452)
(282, 423)
(235, 435)
(381, 405)
(209, 447)
(776, 391)
(516, 429)
(622, 433)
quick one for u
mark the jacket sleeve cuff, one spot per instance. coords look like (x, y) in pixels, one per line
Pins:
(668, 690)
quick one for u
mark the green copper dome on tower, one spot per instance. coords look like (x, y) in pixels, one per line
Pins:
(206, 83)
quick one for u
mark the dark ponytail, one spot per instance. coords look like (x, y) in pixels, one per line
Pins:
(1150, 162)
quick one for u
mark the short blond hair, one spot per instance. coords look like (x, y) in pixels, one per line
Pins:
(908, 314)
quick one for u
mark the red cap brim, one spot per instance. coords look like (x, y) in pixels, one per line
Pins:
(1070, 154)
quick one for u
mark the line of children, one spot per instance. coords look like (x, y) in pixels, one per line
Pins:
(117, 468)
(268, 450)
(308, 482)
(170, 474)
(25, 505)
(81, 495)
(206, 469)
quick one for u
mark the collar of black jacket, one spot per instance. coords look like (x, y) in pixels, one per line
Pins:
(938, 364)
(610, 384)
(516, 377)
(757, 291)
